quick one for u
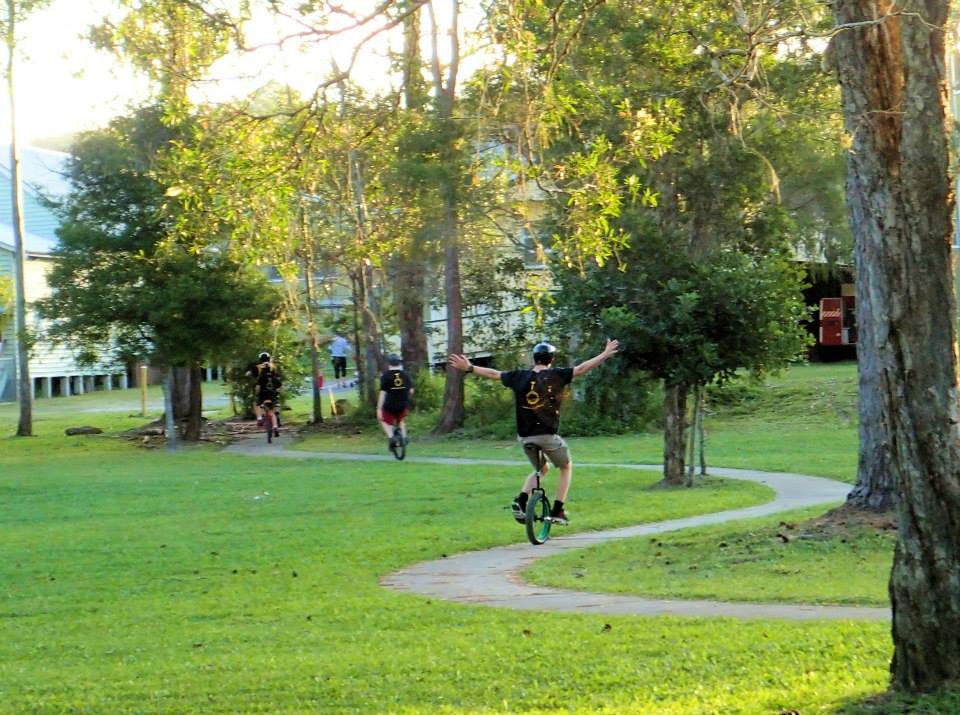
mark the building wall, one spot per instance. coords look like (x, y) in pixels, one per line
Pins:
(7, 350)
(47, 360)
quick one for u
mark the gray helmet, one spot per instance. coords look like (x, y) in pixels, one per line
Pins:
(394, 359)
(543, 353)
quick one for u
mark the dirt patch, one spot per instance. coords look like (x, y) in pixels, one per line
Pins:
(223, 432)
(844, 521)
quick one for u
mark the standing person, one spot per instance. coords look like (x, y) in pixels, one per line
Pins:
(538, 393)
(267, 391)
(338, 353)
(393, 403)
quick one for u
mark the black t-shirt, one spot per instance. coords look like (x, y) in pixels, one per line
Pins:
(396, 383)
(268, 378)
(538, 396)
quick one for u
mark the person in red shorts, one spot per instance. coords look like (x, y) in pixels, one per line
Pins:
(393, 404)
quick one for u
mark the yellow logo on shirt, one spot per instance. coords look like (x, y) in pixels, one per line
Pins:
(533, 397)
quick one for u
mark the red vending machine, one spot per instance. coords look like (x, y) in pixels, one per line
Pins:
(838, 320)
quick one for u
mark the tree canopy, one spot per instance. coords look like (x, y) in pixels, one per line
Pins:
(122, 289)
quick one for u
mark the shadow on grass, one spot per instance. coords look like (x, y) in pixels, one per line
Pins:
(946, 702)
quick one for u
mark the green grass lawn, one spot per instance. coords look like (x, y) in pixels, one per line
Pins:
(148, 582)
(804, 420)
(763, 560)
(139, 581)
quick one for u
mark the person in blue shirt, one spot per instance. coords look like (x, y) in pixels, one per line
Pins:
(538, 393)
(339, 347)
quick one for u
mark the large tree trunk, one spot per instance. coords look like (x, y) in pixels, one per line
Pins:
(181, 393)
(317, 402)
(674, 433)
(874, 490)
(24, 382)
(194, 427)
(901, 201)
(409, 273)
(373, 361)
(451, 417)
(367, 355)
(409, 288)
(169, 421)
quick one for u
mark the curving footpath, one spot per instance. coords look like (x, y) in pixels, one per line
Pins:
(493, 577)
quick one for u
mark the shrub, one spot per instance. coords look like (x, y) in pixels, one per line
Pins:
(428, 391)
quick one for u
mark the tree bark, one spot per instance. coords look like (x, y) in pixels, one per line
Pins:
(409, 273)
(169, 421)
(452, 414)
(874, 490)
(692, 439)
(24, 382)
(194, 426)
(373, 354)
(674, 433)
(409, 288)
(701, 430)
(181, 393)
(892, 76)
(317, 403)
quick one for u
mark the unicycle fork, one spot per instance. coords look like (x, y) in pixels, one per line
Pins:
(537, 517)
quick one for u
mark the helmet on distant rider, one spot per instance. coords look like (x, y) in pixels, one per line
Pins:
(263, 357)
(543, 353)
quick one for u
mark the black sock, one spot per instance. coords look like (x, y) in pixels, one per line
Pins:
(522, 499)
(557, 505)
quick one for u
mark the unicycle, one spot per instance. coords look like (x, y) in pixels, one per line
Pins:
(398, 445)
(537, 516)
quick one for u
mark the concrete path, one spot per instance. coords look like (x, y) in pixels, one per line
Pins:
(493, 577)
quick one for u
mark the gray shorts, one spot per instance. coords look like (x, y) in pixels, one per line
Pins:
(552, 445)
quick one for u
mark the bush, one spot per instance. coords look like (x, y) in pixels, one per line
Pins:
(242, 386)
(428, 391)
(490, 411)
(738, 394)
(612, 402)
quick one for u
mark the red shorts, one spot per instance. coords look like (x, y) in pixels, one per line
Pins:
(394, 418)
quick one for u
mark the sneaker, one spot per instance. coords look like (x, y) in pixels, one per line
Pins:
(276, 431)
(559, 516)
(519, 513)
(260, 422)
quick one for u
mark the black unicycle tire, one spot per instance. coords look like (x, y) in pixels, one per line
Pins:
(400, 445)
(538, 518)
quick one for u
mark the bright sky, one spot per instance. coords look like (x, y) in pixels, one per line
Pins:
(65, 85)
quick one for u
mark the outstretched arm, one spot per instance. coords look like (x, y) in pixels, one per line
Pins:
(587, 365)
(460, 362)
